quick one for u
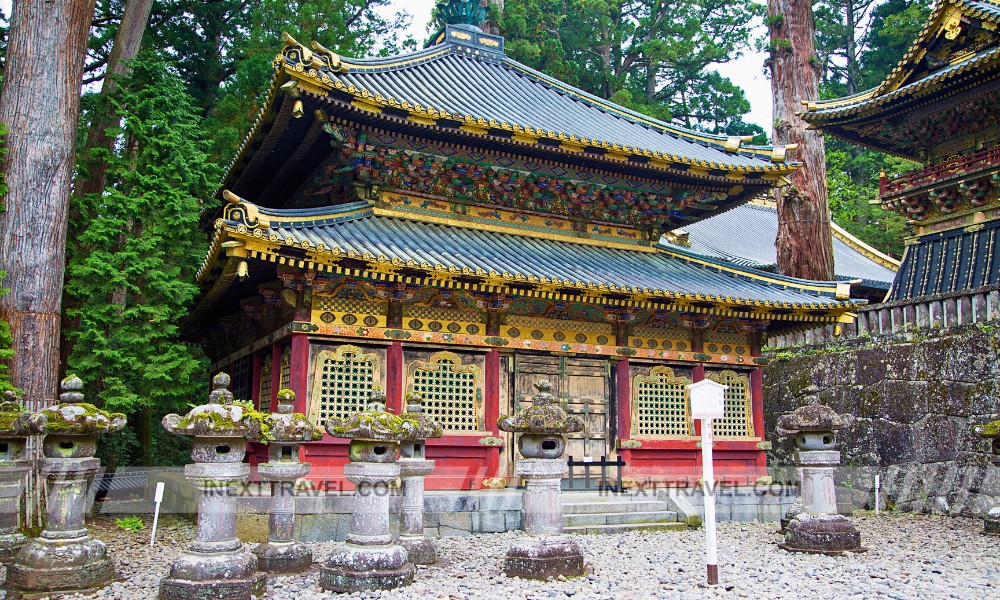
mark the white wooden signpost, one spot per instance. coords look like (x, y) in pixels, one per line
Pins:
(707, 403)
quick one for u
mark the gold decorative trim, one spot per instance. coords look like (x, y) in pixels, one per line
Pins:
(731, 378)
(660, 375)
(440, 360)
(340, 354)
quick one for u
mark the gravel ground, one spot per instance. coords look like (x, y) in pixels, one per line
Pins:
(910, 556)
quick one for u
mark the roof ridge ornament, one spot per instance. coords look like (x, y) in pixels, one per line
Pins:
(243, 212)
(460, 12)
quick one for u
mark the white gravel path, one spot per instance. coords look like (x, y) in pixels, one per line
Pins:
(910, 556)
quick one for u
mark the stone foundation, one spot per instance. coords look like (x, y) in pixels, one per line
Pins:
(916, 397)
(541, 557)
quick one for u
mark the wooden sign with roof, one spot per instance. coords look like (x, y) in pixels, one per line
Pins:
(452, 223)
(940, 107)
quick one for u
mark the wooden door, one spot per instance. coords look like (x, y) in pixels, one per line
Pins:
(582, 384)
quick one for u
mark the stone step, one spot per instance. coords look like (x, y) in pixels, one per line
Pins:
(579, 508)
(618, 518)
(595, 529)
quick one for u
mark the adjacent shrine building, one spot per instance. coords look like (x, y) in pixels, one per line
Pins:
(941, 107)
(452, 223)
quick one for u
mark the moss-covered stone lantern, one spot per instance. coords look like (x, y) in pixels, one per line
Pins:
(284, 431)
(64, 557)
(413, 467)
(215, 564)
(818, 528)
(543, 552)
(14, 465)
(369, 560)
(991, 431)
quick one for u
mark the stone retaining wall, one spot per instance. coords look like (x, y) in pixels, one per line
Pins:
(916, 397)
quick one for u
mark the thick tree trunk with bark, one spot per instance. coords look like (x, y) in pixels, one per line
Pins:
(128, 39)
(39, 103)
(805, 240)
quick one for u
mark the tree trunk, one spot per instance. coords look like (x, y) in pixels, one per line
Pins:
(851, 47)
(805, 239)
(128, 39)
(40, 103)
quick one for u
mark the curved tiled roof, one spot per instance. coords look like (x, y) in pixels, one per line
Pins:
(896, 87)
(482, 86)
(356, 232)
(745, 236)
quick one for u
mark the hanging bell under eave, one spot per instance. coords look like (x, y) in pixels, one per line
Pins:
(242, 270)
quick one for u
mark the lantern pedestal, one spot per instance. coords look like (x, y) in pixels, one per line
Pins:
(543, 551)
(818, 528)
(369, 560)
(64, 557)
(215, 565)
(422, 550)
(281, 553)
(11, 488)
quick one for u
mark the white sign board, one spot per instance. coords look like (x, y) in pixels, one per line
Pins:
(708, 399)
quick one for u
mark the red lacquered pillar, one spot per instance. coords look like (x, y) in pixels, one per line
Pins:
(394, 378)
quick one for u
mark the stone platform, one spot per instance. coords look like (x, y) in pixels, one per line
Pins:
(327, 517)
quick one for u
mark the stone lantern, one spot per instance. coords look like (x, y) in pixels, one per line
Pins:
(284, 431)
(369, 560)
(991, 431)
(818, 528)
(215, 564)
(64, 557)
(14, 465)
(413, 467)
(543, 552)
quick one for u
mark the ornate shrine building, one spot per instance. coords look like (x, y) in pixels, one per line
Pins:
(452, 223)
(941, 107)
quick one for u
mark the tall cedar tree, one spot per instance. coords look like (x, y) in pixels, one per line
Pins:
(135, 279)
(6, 342)
(653, 56)
(39, 104)
(805, 239)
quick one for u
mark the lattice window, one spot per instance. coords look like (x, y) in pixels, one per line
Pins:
(264, 391)
(285, 369)
(738, 419)
(343, 378)
(241, 382)
(661, 405)
(452, 391)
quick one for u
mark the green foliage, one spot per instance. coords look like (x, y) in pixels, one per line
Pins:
(852, 177)
(653, 57)
(131, 273)
(851, 59)
(130, 523)
(224, 49)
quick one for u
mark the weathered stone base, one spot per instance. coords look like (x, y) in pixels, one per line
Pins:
(283, 558)
(822, 534)
(991, 526)
(222, 589)
(10, 545)
(793, 511)
(422, 551)
(213, 575)
(541, 557)
(48, 566)
(354, 568)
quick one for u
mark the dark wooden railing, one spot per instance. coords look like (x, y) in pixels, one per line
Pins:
(959, 166)
(597, 481)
